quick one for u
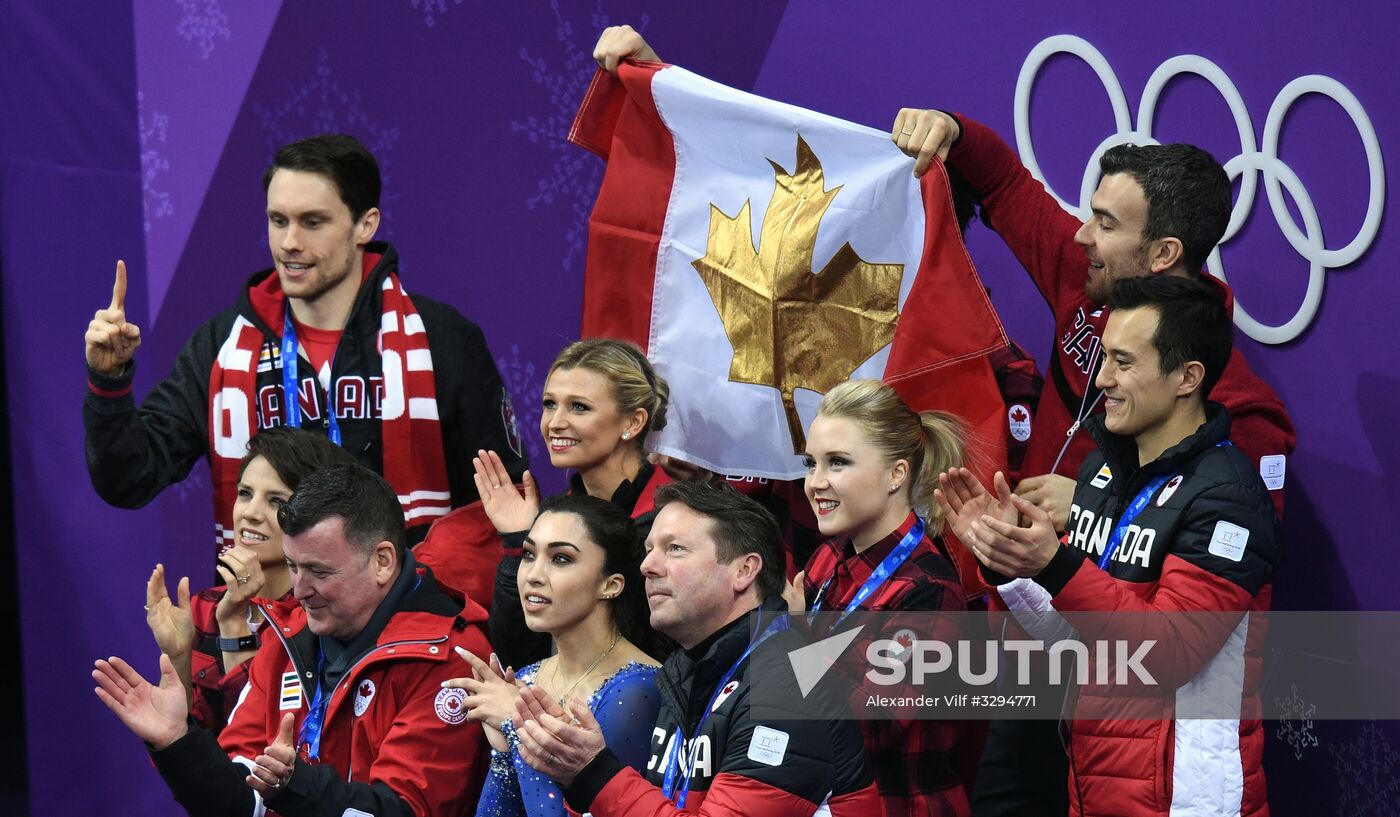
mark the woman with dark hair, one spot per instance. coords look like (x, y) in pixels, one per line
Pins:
(211, 637)
(580, 582)
(601, 400)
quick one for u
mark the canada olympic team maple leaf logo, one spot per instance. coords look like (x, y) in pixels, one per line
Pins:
(364, 693)
(792, 327)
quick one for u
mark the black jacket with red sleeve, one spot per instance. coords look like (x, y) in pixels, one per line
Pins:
(741, 765)
(1191, 578)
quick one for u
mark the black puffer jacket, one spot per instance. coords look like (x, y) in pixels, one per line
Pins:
(785, 768)
(133, 453)
(1193, 569)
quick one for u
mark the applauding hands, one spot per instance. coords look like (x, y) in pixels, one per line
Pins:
(491, 701)
(1005, 532)
(156, 714)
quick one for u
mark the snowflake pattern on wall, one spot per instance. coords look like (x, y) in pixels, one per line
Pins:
(432, 9)
(524, 383)
(200, 22)
(1296, 724)
(152, 126)
(320, 104)
(1368, 775)
(574, 179)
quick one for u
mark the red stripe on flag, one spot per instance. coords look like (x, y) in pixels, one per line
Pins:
(969, 390)
(619, 121)
(948, 316)
(938, 359)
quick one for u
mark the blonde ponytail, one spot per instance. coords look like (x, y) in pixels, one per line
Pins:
(945, 446)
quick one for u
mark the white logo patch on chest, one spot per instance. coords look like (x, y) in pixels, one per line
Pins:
(364, 693)
(1168, 490)
(906, 640)
(1018, 419)
(724, 694)
(1102, 478)
(291, 692)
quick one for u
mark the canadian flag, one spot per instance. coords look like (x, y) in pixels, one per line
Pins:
(761, 253)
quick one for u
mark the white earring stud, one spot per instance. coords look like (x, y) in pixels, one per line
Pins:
(626, 435)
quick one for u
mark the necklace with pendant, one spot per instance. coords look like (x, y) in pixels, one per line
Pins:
(554, 675)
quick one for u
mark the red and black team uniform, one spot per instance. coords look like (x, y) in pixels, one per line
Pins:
(216, 687)
(516, 644)
(393, 741)
(1205, 541)
(1041, 235)
(420, 426)
(914, 761)
(742, 765)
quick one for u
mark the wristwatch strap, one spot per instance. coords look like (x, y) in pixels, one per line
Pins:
(247, 642)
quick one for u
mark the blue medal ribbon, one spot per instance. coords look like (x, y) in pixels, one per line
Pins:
(310, 735)
(1134, 508)
(1139, 502)
(291, 391)
(882, 572)
(673, 755)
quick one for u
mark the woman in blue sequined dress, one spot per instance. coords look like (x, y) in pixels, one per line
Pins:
(580, 581)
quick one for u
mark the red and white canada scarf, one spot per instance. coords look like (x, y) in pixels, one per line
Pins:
(413, 458)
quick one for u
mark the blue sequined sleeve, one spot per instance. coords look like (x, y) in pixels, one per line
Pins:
(626, 709)
(501, 796)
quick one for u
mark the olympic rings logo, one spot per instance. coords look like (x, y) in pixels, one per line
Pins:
(1251, 163)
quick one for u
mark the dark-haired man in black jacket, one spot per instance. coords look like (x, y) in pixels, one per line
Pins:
(328, 339)
(1169, 520)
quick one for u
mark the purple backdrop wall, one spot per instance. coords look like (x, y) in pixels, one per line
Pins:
(146, 127)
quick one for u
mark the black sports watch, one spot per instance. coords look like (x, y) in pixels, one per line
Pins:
(247, 642)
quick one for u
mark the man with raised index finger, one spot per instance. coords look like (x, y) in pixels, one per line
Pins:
(344, 711)
(328, 340)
